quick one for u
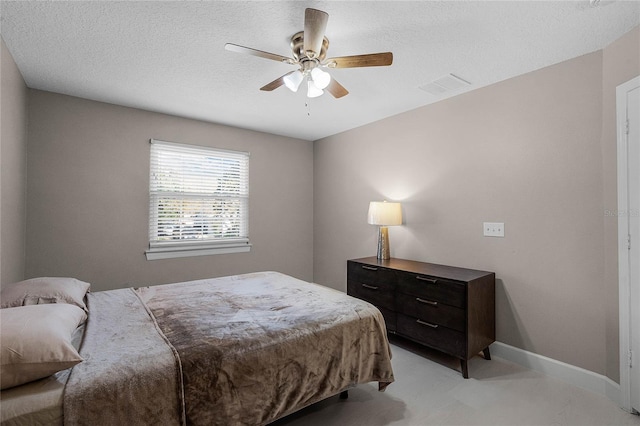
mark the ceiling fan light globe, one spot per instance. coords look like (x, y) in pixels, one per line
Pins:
(292, 81)
(313, 91)
(320, 78)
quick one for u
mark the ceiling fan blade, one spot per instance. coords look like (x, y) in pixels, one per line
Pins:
(255, 52)
(275, 83)
(370, 60)
(315, 24)
(336, 89)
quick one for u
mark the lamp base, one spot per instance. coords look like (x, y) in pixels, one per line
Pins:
(383, 243)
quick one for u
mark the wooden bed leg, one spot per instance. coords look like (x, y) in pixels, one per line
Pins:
(465, 370)
(344, 394)
(486, 353)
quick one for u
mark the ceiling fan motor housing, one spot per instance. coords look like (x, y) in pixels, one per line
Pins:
(297, 47)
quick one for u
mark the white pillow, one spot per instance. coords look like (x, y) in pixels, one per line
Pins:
(36, 341)
(37, 291)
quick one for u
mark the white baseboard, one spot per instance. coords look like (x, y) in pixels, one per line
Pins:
(566, 372)
(612, 391)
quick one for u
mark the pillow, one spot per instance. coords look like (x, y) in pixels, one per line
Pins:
(36, 341)
(44, 290)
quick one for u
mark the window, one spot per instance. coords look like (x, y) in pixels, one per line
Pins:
(198, 201)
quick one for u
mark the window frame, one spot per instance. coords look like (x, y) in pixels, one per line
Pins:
(187, 248)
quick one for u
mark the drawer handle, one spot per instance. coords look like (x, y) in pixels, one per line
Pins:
(429, 280)
(428, 302)
(370, 287)
(369, 268)
(428, 324)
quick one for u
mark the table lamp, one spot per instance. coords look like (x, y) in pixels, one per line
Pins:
(384, 214)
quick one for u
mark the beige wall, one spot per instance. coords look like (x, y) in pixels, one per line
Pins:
(88, 202)
(13, 174)
(620, 63)
(525, 152)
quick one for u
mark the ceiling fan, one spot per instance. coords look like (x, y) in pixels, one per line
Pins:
(309, 50)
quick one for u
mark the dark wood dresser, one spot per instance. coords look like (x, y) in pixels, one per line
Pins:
(446, 308)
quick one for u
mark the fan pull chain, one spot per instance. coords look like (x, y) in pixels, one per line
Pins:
(307, 104)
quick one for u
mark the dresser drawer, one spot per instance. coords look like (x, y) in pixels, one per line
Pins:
(389, 318)
(432, 311)
(380, 293)
(433, 335)
(369, 274)
(432, 288)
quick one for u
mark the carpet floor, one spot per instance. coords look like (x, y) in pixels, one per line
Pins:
(429, 390)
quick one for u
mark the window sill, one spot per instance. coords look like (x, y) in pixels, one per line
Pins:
(176, 251)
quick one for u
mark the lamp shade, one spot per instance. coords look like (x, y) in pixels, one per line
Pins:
(313, 91)
(385, 214)
(320, 78)
(293, 80)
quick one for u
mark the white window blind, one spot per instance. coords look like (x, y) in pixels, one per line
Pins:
(199, 201)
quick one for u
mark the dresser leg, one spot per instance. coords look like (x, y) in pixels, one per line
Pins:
(465, 370)
(486, 353)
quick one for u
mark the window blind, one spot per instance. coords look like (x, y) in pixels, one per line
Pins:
(199, 197)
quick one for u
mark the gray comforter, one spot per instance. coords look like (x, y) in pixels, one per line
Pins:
(242, 350)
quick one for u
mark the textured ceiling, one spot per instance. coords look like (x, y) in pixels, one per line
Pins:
(169, 56)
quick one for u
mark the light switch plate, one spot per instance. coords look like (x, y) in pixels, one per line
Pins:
(493, 229)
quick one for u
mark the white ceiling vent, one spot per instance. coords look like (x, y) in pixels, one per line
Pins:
(443, 85)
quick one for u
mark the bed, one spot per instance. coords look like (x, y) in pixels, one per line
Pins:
(241, 350)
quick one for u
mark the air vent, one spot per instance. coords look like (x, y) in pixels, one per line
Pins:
(443, 85)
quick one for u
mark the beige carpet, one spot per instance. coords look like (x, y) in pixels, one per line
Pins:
(431, 391)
